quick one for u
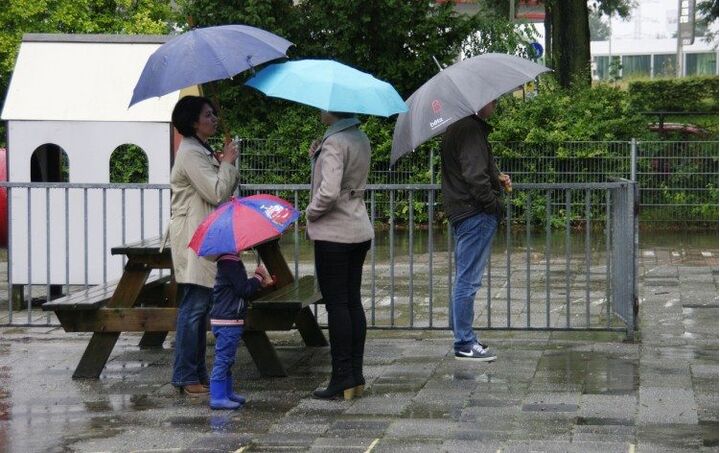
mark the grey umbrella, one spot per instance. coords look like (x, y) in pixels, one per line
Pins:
(456, 92)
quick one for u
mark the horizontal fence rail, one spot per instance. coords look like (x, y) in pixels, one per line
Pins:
(678, 181)
(558, 274)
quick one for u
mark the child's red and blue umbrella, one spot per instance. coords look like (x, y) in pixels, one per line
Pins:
(241, 224)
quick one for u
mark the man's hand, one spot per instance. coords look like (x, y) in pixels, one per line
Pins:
(506, 182)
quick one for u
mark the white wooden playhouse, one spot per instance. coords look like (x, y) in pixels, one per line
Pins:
(70, 93)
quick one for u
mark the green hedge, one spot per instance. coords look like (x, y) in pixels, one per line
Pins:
(691, 94)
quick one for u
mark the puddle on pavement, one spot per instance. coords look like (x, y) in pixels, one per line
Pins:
(122, 402)
(432, 412)
(594, 421)
(595, 372)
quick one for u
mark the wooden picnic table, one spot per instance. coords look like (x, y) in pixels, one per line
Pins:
(145, 301)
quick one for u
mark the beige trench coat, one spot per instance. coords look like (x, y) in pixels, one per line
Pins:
(337, 211)
(198, 183)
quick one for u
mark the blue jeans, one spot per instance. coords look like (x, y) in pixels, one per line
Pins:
(227, 339)
(189, 367)
(473, 242)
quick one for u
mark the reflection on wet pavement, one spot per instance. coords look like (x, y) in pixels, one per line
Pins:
(548, 391)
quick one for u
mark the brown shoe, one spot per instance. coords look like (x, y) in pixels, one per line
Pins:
(195, 390)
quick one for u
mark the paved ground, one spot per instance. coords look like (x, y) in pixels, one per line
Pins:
(559, 391)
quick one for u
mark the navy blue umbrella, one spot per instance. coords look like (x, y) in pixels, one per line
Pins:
(206, 54)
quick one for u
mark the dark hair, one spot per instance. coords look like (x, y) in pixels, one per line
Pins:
(342, 115)
(187, 112)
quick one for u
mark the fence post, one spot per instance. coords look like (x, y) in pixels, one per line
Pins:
(633, 159)
(432, 167)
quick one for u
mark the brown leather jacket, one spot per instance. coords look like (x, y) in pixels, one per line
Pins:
(470, 183)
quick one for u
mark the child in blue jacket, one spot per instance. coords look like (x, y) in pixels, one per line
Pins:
(232, 290)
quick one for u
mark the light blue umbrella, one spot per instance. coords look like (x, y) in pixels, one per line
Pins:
(330, 86)
(206, 54)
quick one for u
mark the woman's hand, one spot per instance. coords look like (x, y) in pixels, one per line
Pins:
(229, 153)
(313, 147)
(267, 280)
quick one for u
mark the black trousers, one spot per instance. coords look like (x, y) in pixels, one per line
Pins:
(339, 274)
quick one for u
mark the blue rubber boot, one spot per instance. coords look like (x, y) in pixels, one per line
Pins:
(232, 396)
(219, 397)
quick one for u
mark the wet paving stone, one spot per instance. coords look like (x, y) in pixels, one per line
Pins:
(709, 433)
(670, 436)
(546, 407)
(548, 391)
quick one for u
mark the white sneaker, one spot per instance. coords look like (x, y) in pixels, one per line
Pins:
(476, 353)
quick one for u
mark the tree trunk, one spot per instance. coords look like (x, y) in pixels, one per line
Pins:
(571, 42)
(548, 34)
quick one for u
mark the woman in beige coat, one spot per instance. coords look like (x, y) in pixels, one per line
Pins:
(199, 182)
(338, 224)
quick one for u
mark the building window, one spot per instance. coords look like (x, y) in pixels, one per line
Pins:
(49, 163)
(635, 66)
(601, 67)
(701, 63)
(665, 65)
(128, 164)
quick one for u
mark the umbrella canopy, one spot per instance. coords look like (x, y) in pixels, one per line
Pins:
(330, 86)
(206, 54)
(456, 92)
(242, 223)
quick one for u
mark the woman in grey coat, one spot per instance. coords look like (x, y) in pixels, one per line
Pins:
(199, 181)
(338, 223)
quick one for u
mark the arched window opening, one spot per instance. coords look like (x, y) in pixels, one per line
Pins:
(49, 163)
(128, 165)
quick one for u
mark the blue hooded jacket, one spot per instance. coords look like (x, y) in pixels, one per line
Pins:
(231, 291)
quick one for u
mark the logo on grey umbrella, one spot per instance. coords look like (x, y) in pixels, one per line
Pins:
(436, 106)
(437, 122)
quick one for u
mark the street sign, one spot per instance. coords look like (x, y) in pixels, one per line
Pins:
(538, 48)
(686, 22)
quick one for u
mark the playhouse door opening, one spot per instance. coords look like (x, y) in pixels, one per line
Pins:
(49, 163)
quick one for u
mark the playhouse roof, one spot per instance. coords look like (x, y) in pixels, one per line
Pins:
(83, 78)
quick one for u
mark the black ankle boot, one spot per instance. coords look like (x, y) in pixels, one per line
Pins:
(358, 376)
(337, 387)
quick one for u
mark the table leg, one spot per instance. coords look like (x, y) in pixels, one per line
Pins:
(95, 356)
(263, 353)
(151, 340)
(168, 297)
(309, 329)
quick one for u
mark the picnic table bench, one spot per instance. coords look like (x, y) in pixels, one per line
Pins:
(145, 301)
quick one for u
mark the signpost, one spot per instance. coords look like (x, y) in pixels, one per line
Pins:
(686, 30)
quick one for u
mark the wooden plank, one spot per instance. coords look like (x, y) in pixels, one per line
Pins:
(95, 356)
(130, 285)
(302, 291)
(138, 319)
(156, 339)
(309, 329)
(154, 261)
(275, 262)
(263, 354)
(277, 319)
(145, 247)
(96, 296)
(83, 300)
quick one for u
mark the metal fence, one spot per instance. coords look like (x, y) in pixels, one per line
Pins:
(567, 275)
(678, 181)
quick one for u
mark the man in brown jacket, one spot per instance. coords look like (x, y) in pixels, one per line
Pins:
(471, 188)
